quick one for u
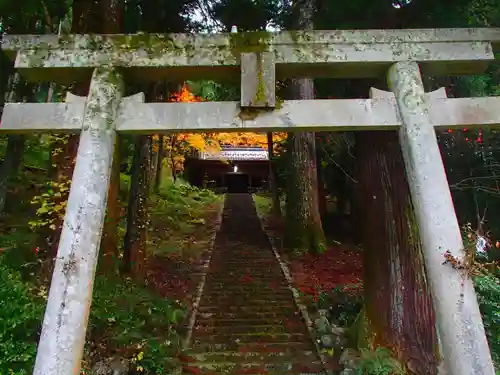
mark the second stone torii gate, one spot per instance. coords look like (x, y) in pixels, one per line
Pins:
(104, 112)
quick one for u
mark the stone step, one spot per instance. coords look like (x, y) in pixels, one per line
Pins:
(252, 314)
(256, 367)
(257, 308)
(265, 263)
(235, 357)
(258, 337)
(253, 346)
(239, 307)
(247, 292)
(248, 299)
(278, 300)
(263, 295)
(237, 256)
(244, 279)
(253, 272)
(218, 322)
(268, 286)
(297, 327)
(269, 262)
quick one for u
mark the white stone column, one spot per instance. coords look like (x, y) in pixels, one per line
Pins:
(62, 341)
(464, 347)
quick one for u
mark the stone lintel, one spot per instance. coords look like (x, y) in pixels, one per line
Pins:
(294, 115)
(44, 117)
(135, 116)
(13, 43)
(258, 80)
(360, 53)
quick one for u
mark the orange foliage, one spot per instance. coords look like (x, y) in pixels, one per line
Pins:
(176, 146)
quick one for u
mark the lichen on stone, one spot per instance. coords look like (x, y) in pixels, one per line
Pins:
(255, 41)
(104, 98)
(260, 94)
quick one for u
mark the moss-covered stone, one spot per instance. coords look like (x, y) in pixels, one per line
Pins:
(260, 94)
(255, 41)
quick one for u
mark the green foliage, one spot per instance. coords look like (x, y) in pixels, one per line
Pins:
(213, 91)
(21, 312)
(182, 204)
(51, 204)
(132, 319)
(263, 204)
(379, 362)
(178, 218)
(18, 250)
(488, 294)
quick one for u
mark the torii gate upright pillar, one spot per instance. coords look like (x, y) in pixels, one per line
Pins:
(60, 349)
(461, 332)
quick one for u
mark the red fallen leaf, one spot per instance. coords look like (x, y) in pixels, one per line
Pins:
(253, 371)
(192, 370)
(246, 279)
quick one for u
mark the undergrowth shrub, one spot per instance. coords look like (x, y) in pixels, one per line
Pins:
(182, 205)
(488, 295)
(21, 312)
(131, 320)
(379, 362)
(344, 302)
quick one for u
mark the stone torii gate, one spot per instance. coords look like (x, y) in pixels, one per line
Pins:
(258, 58)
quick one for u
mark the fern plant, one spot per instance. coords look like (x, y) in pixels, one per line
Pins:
(379, 362)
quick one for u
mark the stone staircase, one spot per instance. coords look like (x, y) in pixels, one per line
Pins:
(247, 321)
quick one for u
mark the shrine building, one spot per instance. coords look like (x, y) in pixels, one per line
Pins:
(234, 169)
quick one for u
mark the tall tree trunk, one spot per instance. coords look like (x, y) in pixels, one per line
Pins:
(173, 141)
(398, 303)
(276, 207)
(18, 90)
(134, 251)
(320, 179)
(10, 166)
(159, 163)
(109, 243)
(303, 229)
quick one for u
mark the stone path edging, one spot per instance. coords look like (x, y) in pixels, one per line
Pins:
(201, 285)
(296, 296)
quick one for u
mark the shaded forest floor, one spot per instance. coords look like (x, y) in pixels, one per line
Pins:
(316, 276)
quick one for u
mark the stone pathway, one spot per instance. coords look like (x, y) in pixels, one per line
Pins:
(247, 321)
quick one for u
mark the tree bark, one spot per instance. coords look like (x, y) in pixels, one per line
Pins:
(109, 243)
(173, 170)
(19, 90)
(398, 303)
(321, 180)
(134, 252)
(276, 207)
(10, 166)
(159, 163)
(303, 228)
